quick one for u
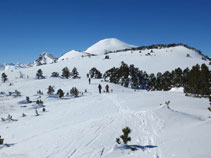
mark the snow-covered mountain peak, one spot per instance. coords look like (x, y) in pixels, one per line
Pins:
(45, 58)
(70, 54)
(107, 45)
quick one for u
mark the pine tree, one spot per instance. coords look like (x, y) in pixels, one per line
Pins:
(50, 90)
(4, 77)
(65, 72)
(74, 92)
(60, 93)
(94, 73)
(75, 73)
(204, 80)
(39, 74)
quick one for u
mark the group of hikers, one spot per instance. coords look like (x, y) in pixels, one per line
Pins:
(100, 87)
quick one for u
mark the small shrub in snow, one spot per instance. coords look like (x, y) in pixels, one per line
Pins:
(4, 77)
(28, 100)
(39, 102)
(39, 92)
(60, 93)
(50, 90)
(55, 74)
(39, 74)
(167, 102)
(74, 92)
(107, 57)
(125, 138)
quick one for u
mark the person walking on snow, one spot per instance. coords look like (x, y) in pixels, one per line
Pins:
(99, 87)
(89, 80)
(107, 88)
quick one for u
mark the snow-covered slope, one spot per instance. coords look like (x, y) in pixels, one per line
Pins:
(87, 126)
(73, 54)
(106, 45)
(44, 58)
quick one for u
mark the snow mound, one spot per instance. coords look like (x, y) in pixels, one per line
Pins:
(106, 45)
(177, 89)
(71, 54)
(45, 58)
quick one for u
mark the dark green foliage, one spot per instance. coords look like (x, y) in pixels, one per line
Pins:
(198, 81)
(50, 90)
(195, 81)
(75, 73)
(94, 73)
(55, 74)
(118, 141)
(125, 137)
(65, 72)
(107, 57)
(60, 93)
(1, 141)
(39, 102)
(127, 76)
(39, 74)
(39, 92)
(210, 99)
(4, 77)
(28, 100)
(74, 92)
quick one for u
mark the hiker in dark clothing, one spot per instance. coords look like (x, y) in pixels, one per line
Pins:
(89, 80)
(107, 88)
(99, 87)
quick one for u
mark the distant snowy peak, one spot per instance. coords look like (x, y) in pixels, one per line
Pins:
(70, 54)
(73, 54)
(107, 45)
(45, 58)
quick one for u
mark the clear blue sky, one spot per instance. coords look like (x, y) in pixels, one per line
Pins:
(30, 27)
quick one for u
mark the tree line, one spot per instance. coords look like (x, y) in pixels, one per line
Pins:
(195, 81)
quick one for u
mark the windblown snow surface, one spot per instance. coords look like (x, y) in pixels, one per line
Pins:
(87, 126)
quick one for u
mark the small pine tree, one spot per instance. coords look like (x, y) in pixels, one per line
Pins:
(74, 92)
(50, 90)
(65, 72)
(39, 74)
(4, 77)
(125, 138)
(60, 93)
(28, 99)
(75, 73)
